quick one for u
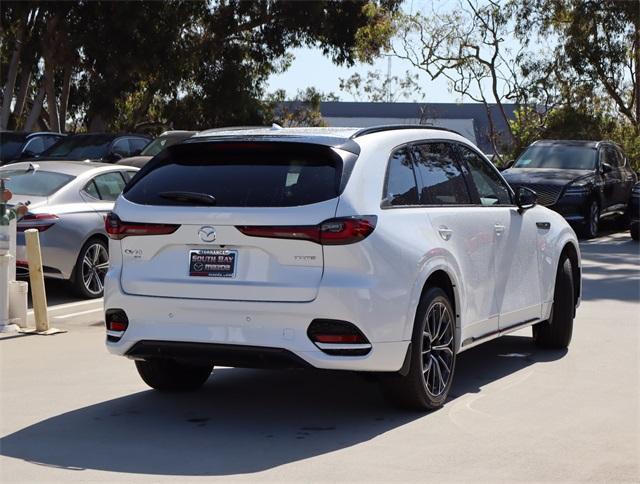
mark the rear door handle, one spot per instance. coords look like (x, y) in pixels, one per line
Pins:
(499, 228)
(445, 232)
(543, 225)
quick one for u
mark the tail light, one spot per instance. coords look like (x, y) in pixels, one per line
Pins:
(38, 221)
(117, 229)
(117, 323)
(336, 337)
(335, 231)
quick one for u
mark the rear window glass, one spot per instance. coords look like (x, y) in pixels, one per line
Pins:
(239, 175)
(36, 183)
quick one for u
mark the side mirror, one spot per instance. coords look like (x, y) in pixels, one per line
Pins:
(526, 198)
(606, 167)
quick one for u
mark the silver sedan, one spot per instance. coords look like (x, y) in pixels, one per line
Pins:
(68, 201)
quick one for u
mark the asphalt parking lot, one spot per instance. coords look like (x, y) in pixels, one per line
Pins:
(72, 412)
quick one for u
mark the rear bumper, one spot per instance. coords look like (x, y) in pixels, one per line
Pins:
(240, 333)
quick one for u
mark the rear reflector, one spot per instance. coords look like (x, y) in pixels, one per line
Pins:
(38, 221)
(340, 338)
(335, 231)
(117, 229)
(116, 322)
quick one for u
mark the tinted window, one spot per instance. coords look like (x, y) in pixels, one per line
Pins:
(569, 157)
(442, 179)
(92, 190)
(401, 187)
(80, 147)
(137, 144)
(109, 185)
(491, 189)
(158, 144)
(34, 146)
(121, 147)
(38, 183)
(240, 175)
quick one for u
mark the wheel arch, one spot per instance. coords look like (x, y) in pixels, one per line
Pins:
(445, 277)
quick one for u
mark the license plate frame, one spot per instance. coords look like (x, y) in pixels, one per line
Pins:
(214, 263)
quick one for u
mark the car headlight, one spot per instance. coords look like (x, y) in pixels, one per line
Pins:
(577, 189)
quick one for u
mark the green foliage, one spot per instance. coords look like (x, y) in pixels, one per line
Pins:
(302, 110)
(193, 64)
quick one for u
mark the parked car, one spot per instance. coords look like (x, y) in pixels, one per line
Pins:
(386, 250)
(101, 147)
(68, 203)
(163, 141)
(582, 180)
(634, 212)
(15, 145)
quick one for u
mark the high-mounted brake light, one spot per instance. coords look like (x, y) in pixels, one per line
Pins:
(38, 221)
(335, 231)
(117, 229)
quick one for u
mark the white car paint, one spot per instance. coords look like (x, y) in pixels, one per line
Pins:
(501, 264)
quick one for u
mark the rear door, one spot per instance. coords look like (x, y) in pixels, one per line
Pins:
(241, 190)
(464, 230)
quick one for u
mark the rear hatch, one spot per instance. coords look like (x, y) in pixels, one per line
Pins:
(208, 195)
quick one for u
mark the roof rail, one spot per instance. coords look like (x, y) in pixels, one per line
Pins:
(394, 127)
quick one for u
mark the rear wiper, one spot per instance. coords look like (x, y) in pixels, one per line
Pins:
(203, 198)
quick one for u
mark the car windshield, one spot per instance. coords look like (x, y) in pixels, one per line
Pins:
(80, 147)
(158, 144)
(11, 145)
(36, 183)
(565, 157)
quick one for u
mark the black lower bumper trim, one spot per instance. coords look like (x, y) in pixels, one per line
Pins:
(238, 356)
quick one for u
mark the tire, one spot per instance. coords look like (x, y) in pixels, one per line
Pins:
(427, 383)
(90, 269)
(592, 223)
(556, 332)
(634, 231)
(167, 375)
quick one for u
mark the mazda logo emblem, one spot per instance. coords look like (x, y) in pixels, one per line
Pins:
(207, 233)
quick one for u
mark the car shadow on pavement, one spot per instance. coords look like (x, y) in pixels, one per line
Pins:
(244, 421)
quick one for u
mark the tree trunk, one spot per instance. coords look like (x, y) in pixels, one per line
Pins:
(64, 97)
(12, 74)
(21, 96)
(36, 108)
(636, 52)
(50, 87)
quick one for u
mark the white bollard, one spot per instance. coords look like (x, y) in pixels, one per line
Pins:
(5, 261)
(12, 248)
(18, 302)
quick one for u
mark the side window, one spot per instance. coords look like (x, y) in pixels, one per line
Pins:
(137, 144)
(48, 141)
(491, 189)
(109, 185)
(34, 146)
(620, 157)
(128, 175)
(442, 178)
(121, 147)
(92, 190)
(608, 155)
(401, 187)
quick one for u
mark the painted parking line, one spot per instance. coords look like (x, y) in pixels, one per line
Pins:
(79, 313)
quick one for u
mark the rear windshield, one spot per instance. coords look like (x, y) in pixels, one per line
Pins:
(36, 183)
(80, 147)
(239, 175)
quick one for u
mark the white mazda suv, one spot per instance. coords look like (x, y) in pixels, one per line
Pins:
(389, 249)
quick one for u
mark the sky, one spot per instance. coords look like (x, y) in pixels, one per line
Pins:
(311, 69)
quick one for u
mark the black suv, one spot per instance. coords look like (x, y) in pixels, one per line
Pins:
(584, 181)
